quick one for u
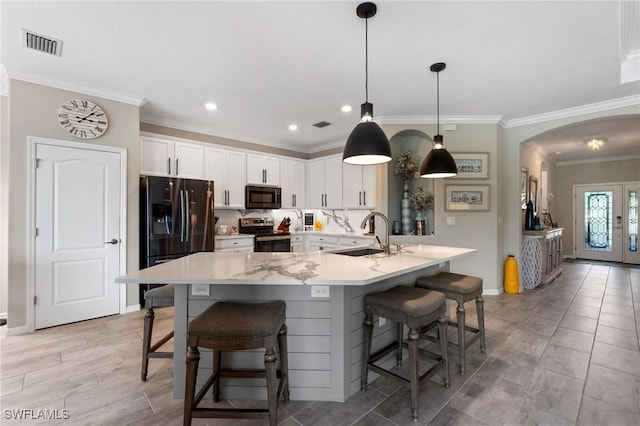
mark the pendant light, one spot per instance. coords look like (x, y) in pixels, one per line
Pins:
(438, 163)
(367, 143)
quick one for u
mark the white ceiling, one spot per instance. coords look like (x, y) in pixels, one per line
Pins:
(269, 64)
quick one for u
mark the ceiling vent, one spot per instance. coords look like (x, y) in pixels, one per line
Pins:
(321, 124)
(41, 43)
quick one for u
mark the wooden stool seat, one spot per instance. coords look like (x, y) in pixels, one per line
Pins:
(418, 309)
(461, 288)
(234, 326)
(159, 297)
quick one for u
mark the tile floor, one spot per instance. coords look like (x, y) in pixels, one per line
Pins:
(566, 354)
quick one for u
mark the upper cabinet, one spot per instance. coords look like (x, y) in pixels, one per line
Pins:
(359, 191)
(263, 170)
(227, 169)
(324, 183)
(292, 178)
(161, 157)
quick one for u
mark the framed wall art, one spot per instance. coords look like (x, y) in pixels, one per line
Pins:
(524, 178)
(533, 192)
(472, 198)
(472, 165)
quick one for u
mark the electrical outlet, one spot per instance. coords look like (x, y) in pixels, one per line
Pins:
(381, 321)
(199, 289)
(319, 291)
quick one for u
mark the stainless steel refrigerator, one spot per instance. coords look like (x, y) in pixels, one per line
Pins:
(176, 219)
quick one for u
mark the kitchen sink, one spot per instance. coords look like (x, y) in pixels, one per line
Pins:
(359, 251)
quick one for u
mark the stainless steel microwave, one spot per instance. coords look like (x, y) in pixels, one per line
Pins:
(262, 197)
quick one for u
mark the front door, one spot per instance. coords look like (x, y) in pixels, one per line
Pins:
(607, 222)
(77, 244)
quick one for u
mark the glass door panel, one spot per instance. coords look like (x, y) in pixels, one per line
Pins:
(599, 222)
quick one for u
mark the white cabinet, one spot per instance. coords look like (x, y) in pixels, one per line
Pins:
(321, 242)
(324, 183)
(263, 170)
(162, 157)
(359, 186)
(292, 182)
(355, 241)
(297, 243)
(234, 244)
(227, 169)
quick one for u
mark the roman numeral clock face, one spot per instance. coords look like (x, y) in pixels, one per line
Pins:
(82, 119)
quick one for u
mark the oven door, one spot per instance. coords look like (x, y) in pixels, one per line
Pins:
(272, 243)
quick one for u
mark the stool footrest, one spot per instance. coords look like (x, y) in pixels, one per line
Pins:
(230, 413)
(160, 355)
(466, 327)
(161, 342)
(403, 379)
(381, 353)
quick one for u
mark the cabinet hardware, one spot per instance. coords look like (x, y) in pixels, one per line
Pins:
(169, 165)
(359, 198)
(364, 198)
(177, 172)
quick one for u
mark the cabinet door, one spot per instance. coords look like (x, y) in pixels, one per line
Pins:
(189, 160)
(369, 186)
(255, 169)
(216, 170)
(236, 179)
(315, 184)
(292, 182)
(333, 182)
(272, 170)
(156, 156)
(352, 196)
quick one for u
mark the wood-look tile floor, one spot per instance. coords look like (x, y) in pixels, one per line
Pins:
(564, 354)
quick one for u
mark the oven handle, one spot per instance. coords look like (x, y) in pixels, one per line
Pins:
(274, 238)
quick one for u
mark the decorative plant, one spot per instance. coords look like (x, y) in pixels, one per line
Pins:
(406, 167)
(421, 200)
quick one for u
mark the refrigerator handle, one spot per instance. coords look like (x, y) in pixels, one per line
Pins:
(182, 216)
(187, 219)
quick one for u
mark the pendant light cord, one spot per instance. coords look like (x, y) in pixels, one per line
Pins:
(438, 102)
(366, 60)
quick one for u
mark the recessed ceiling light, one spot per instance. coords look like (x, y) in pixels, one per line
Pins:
(211, 106)
(293, 127)
(346, 108)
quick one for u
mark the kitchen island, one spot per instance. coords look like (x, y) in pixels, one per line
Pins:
(324, 295)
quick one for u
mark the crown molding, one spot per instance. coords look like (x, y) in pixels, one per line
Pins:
(575, 111)
(598, 160)
(446, 119)
(105, 94)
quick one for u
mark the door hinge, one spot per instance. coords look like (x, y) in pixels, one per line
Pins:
(36, 163)
(35, 300)
(37, 232)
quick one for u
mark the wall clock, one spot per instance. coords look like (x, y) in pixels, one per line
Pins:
(82, 119)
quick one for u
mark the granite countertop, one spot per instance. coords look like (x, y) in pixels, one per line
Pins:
(228, 236)
(304, 268)
(333, 234)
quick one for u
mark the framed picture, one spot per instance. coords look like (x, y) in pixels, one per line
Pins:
(524, 180)
(533, 192)
(472, 165)
(472, 198)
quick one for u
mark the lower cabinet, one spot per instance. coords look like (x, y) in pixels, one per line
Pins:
(355, 241)
(321, 242)
(297, 243)
(234, 243)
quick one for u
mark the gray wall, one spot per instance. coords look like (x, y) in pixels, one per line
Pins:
(569, 175)
(32, 112)
(4, 200)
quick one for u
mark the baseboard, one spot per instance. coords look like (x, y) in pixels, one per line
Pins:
(3, 315)
(16, 331)
(491, 292)
(133, 308)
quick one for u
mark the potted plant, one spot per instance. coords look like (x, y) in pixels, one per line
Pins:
(406, 169)
(421, 201)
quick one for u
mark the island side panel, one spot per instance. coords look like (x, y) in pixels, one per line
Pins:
(316, 343)
(180, 339)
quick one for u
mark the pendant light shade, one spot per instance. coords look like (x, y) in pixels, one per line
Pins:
(438, 163)
(367, 143)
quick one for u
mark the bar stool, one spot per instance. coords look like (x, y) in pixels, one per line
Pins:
(159, 297)
(418, 309)
(236, 326)
(461, 288)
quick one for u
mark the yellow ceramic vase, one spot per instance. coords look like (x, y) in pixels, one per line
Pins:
(511, 280)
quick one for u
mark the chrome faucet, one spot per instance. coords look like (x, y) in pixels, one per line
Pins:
(386, 247)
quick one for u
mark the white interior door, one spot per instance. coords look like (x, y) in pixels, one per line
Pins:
(599, 222)
(77, 247)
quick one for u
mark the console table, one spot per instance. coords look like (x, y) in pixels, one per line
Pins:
(541, 256)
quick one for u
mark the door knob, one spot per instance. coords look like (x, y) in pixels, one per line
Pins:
(113, 241)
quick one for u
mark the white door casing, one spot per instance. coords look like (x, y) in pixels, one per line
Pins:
(79, 205)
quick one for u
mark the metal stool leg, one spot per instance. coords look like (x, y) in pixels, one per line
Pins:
(272, 389)
(284, 361)
(460, 316)
(193, 358)
(367, 326)
(146, 342)
(480, 310)
(412, 342)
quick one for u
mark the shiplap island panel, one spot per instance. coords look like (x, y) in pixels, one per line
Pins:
(325, 333)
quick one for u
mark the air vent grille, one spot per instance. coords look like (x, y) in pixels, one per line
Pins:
(321, 124)
(41, 43)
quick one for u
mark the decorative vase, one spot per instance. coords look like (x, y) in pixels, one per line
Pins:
(406, 211)
(420, 224)
(528, 217)
(511, 280)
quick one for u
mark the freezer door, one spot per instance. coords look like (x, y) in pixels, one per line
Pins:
(199, 223)
(162, 216)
